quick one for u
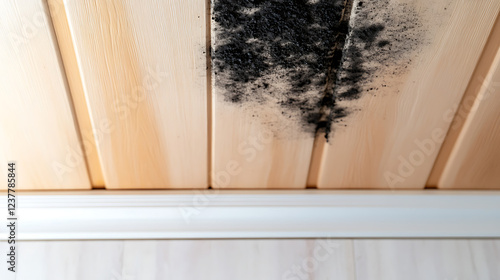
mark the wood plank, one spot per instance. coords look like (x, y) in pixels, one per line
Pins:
(414, 259)
(143, 67)
(483, 69)
(271, 63)
(61, 28)
(406, 65)
(474, 161)
(37, 126)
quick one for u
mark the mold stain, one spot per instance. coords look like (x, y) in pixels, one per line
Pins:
(384, 39)
(279, 52)
(304, 56)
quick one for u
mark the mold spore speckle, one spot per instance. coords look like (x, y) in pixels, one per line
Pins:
(384, 39)
(280, 54)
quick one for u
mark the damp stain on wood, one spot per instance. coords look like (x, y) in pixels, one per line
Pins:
(304, 56)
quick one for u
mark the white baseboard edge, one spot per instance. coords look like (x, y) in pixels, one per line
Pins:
(100, 214)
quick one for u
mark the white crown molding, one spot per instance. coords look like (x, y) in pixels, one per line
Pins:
(101, 214)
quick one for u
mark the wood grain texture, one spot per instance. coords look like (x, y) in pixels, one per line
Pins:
(474, 161)
(483, 74)
(143, 69)
(61, 28)
(394, 129)
(37, 126)
(247, 155)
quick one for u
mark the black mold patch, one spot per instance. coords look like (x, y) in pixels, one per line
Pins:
(293, 54)
(284, 52)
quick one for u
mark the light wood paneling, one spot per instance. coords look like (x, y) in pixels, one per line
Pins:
(37, 126)
(143, 67)
(61, 28)
(418, 57)
(474, 161)
(270, 69)
(482, 76)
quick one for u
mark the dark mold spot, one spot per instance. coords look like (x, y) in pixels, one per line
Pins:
(383, 43)
(284, 52)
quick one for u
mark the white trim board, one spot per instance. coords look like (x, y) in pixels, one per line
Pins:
(101, 214)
